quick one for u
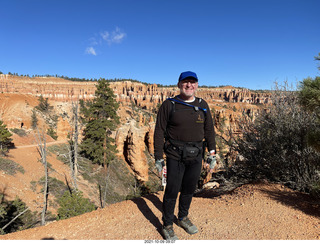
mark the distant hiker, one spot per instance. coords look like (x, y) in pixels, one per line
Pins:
(183, 124)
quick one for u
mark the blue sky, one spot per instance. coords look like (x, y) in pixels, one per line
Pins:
(246, 43)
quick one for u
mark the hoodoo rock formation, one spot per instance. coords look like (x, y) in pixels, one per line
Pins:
(135, 135)
(131, 144)
(144, 96)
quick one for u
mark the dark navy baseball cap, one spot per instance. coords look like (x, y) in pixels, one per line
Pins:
(188, 74)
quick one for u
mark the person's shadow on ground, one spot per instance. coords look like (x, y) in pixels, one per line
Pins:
(147, 212)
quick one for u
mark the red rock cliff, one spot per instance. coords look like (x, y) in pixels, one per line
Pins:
(145, 96)
(135, 132)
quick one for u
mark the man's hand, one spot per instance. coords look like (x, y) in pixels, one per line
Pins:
(211, 161)
(159, 165)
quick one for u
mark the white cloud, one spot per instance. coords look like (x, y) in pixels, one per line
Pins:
(114, 37)
(105, 35)
(118, 35)
(93, 41)
(91, 51)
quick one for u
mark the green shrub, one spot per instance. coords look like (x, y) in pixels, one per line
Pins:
(56, 187)
(5, 140)
(34, 120)
(315, 190)
(275, 145)
(10, 167)
(9, 210)
(309, 97)
(19, 132)
(73, 204)
(33, 186)
(51, 132)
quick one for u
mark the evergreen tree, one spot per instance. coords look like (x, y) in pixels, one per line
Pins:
(43, 105)
(318, 59)
(309, 96)
(100, 118)
(34, 120)
(5, 139)
(74, 204)
(15, 215)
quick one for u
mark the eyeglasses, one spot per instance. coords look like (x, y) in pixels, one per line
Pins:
(187, 81)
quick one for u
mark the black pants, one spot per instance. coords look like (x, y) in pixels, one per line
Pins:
(181, 176)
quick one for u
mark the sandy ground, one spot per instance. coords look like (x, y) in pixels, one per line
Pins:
(251, 212)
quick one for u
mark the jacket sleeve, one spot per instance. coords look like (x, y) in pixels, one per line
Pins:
(160, 129)
(209, 133)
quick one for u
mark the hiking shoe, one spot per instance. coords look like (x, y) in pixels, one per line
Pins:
(186, 224)
(168, 233)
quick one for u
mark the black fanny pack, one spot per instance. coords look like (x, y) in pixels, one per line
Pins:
(185, 150)
(191, 152)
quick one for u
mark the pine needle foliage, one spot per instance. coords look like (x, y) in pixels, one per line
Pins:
(100, 119)
(43, 105)
(5, 139)
(309, 96)
(10, 209)
(74, 204)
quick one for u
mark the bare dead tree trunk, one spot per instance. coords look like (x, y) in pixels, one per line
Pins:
(71, 162)
(76, 136)
(42, 149)
(73, 145)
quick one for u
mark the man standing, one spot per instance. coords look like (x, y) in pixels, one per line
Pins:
(183, 124)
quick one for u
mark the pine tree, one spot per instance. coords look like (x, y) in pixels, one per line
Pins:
(43, 105)
(100, 118)
(5, 139)
(74, 204)
(34, 120)
(309, 96)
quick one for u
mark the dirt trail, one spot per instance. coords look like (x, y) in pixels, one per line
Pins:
(48, 144)
(251, 212)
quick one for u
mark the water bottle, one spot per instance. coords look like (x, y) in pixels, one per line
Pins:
(164, 176)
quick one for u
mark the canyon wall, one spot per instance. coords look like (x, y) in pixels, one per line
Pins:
(135, 133)
(145, 96)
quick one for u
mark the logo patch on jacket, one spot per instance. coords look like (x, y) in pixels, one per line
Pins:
(199, 119)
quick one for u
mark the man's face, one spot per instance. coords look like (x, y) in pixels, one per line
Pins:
(188, 87)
